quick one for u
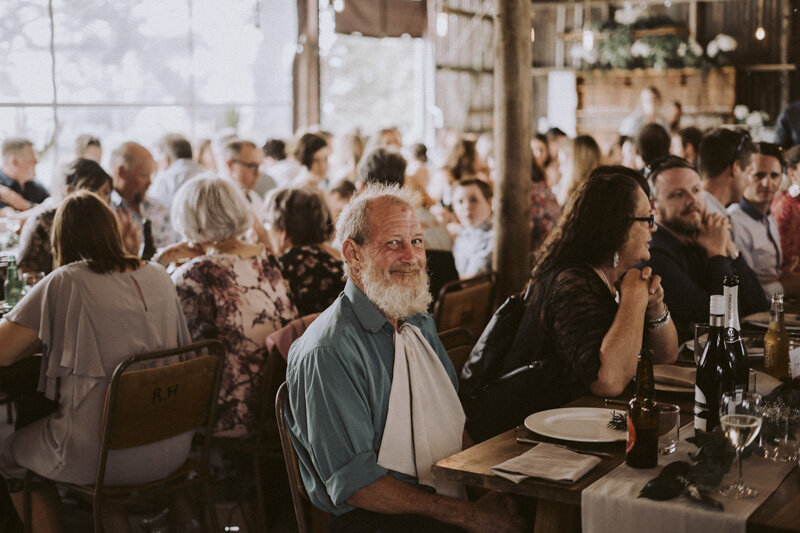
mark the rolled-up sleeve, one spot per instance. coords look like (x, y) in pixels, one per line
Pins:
(331, 421)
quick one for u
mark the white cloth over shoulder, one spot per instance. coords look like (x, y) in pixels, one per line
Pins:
(425, 421)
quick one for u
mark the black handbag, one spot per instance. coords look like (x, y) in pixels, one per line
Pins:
(500, 385)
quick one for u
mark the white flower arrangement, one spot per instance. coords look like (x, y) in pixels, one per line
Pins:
(740, 112)
(628, 14)
(721, 43)
(640, 49)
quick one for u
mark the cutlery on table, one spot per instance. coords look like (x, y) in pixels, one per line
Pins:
(522, 440)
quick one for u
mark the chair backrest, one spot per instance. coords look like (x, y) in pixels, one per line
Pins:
(153, 404)
(465, 303)
(302, 504)
(282, 339)
(458, 343)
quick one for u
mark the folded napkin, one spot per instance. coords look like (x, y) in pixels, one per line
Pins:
(765, 383)
(547, 462)
(683, 376)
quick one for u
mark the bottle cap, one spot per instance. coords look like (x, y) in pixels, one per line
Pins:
(777, 297)
(717, 306)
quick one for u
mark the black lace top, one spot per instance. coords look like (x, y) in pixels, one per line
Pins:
(315, 277)
(569, 321)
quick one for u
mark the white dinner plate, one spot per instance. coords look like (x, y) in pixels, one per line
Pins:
(579, 424)
(761, 320)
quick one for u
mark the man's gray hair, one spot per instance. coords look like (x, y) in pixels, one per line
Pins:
(353, 222)
(14, 146)
(209, 209)
(233, 148)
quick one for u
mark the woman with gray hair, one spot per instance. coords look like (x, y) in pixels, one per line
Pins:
(299, 224)
(229, 289)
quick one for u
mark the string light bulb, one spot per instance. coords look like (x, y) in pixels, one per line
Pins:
(338, 5)
(761, 33)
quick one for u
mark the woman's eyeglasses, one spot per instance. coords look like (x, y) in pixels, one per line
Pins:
(651, 220)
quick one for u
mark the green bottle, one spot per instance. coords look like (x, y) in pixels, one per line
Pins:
(13, 285)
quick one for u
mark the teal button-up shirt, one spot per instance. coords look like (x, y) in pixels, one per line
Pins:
(339, 378)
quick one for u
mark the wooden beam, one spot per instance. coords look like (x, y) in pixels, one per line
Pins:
(552, 4)
(305, 71)
(513, 93)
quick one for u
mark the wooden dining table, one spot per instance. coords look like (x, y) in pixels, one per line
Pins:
(558, 505)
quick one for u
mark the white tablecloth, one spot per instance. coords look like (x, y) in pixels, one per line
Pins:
(611, 504)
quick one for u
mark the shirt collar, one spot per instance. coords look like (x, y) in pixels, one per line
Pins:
(754, 213)
(370, 316)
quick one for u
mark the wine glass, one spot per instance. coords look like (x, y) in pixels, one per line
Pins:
(740, 416)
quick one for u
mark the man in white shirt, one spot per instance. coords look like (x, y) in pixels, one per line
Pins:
(175, 168)
(724, 162)
(757, 236)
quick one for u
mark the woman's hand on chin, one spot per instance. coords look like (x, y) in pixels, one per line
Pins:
(635, 284)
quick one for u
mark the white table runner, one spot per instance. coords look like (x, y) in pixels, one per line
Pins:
(611, 504)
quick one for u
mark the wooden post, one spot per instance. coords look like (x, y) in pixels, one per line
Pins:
(513, 92)
(305, 71)
(785, 39)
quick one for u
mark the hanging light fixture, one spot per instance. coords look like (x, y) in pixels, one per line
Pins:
(588, 34)
(761, 33)
(441, 23)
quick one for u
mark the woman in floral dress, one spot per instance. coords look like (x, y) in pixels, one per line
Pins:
(229, 290)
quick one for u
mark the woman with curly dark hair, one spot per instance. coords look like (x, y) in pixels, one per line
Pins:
(590, 309)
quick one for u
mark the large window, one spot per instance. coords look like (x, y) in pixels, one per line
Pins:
(136, 69)
(370, 83)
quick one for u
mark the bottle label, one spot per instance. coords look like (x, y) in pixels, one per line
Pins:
(700, 410)
(631, 436)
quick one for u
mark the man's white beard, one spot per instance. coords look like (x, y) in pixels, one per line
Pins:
(395, 301)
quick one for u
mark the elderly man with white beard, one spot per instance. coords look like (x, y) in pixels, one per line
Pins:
(372, 392)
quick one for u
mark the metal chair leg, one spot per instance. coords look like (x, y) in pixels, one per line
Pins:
(26, 502)
(98, 515)
(212, 510)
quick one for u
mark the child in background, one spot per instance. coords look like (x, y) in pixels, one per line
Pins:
(472, 249)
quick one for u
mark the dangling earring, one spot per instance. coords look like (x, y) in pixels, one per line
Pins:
(615, 260)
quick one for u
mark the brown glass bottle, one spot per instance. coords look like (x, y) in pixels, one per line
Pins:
(776, 342)
(642, 447)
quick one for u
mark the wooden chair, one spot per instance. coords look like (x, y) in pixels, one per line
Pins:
(302, 504)
(264, 443)
(465, 303)
(458, 343)
(131, 418)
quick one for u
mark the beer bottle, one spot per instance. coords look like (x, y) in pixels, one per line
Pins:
(733, 334)
(148, 248)
(12, 288)
(641, 450)
(715, 373)
(776, 342)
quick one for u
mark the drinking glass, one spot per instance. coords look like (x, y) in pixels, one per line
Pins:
(700, 340)
(668, 428)
(740, 416)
